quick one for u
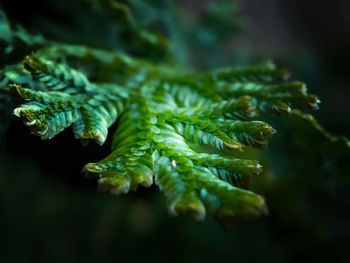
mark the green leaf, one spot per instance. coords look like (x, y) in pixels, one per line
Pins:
(169, 126)
(188, 133)
(71, 100)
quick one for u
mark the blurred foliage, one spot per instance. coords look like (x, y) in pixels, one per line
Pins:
(308, 197)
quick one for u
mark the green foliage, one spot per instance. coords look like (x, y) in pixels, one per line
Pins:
(188, 133)
(131, 31)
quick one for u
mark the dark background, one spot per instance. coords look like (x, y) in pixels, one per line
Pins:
(50, 213)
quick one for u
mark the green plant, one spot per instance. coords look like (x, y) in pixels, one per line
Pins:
(192, 134)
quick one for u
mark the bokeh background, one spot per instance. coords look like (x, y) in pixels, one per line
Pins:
(50, 213)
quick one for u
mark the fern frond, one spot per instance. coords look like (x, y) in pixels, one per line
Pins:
(164, 116)
(55, 76)
(264, 73)
(90, 113)
(184, 132)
